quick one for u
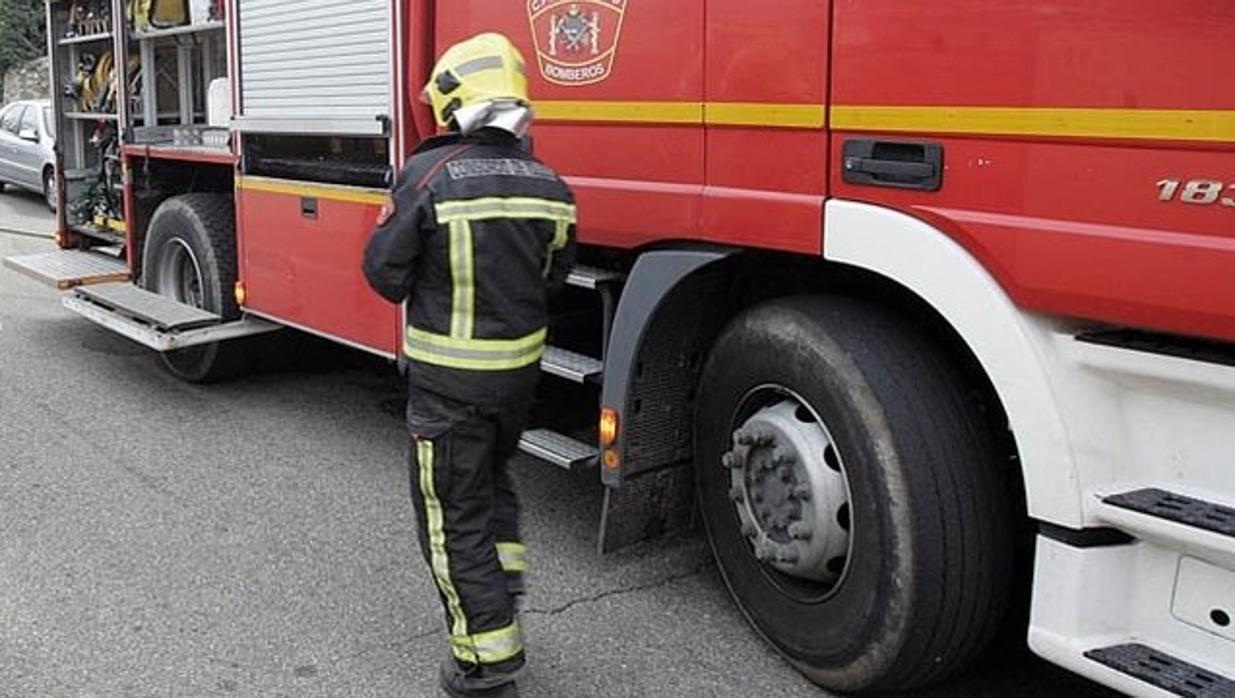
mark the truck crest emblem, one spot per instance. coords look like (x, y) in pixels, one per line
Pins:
(576, 40)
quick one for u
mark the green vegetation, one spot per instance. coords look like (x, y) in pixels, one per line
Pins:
(23, 33)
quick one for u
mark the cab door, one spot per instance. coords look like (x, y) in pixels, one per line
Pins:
(618, 88)
(27, 149)
(766, 99)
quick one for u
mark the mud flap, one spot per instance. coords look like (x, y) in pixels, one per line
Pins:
(646, 506)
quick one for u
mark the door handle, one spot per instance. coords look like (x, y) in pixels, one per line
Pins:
(895, 164)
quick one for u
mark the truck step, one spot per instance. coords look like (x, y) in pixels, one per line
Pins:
(558, 449)
(67, 269)
(156, 321)
(1163, 671)
(151, 309)
(592, 278)
(572, 366)
(1222, 353)
(1178, 508)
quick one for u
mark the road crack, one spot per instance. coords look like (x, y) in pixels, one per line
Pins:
(655, 584)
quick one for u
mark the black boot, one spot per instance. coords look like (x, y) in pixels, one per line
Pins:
(459, 683)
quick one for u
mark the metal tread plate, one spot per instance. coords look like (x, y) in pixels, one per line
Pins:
(159, 340)
(590, 277)
(558, 449)
(1178, 508)
(570, 365)
(149, 308)
(67, 269)
(1164, 671)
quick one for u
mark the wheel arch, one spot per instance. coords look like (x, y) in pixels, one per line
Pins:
(155, 180)
(646, 319)
(922, 261)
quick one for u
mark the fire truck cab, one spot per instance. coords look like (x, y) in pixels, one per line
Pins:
(916, 304)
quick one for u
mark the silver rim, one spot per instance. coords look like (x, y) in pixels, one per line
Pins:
(789, 487)
(50, 192)
(178, 275)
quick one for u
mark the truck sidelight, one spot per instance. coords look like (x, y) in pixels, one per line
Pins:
(609, 425)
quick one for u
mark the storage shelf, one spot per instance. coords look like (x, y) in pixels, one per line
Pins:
(178, 31)
(185, 153)
(97, 233)
(90, 116)
(68, 41)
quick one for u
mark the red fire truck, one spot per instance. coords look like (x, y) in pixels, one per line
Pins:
(916, 304)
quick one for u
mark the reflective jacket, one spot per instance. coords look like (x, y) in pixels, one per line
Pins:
(477, 233)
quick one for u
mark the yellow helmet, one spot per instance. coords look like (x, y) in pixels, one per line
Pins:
(484, 68)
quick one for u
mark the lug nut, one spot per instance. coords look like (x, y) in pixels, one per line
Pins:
(729, 460)
(743, 437)
(799, 531)
(736, 496)
(757, 498)
(786, 475)
(802, 493)
(748, 531)
(789, 557)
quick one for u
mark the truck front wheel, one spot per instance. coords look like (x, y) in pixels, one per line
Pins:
(190, 256)
(852, 495)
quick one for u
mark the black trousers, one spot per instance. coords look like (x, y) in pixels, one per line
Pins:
(468, 520)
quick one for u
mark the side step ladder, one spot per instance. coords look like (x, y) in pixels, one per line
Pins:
(155, 321)
(559, 449)
(1163, 671)
(548, 445)
(67, 269)
(1177, 508)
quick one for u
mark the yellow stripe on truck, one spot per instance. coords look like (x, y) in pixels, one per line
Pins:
(1132, 124)
(809, 116)
(1215, 126)
(328, 192)
(630, 112)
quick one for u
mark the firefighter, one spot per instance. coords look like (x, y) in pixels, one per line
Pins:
(477, 234)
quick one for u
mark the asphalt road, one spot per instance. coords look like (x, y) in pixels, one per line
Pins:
(24, 212)
(256, 538)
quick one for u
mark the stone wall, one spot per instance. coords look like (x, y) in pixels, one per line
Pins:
(27, 81)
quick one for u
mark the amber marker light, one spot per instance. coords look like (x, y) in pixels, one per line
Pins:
(608, 427)
(242, 294)
(612, 460)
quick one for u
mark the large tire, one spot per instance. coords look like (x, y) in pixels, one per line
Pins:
(190, 255)
(917, 579)
(49, 188)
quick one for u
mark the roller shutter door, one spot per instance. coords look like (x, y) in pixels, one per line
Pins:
(314, 66)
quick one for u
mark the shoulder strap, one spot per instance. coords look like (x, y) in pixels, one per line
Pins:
(437, 167)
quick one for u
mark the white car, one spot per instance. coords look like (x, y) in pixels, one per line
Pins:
(27, 148)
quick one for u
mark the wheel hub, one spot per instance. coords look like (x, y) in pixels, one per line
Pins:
(790, 493)
(179, 276)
